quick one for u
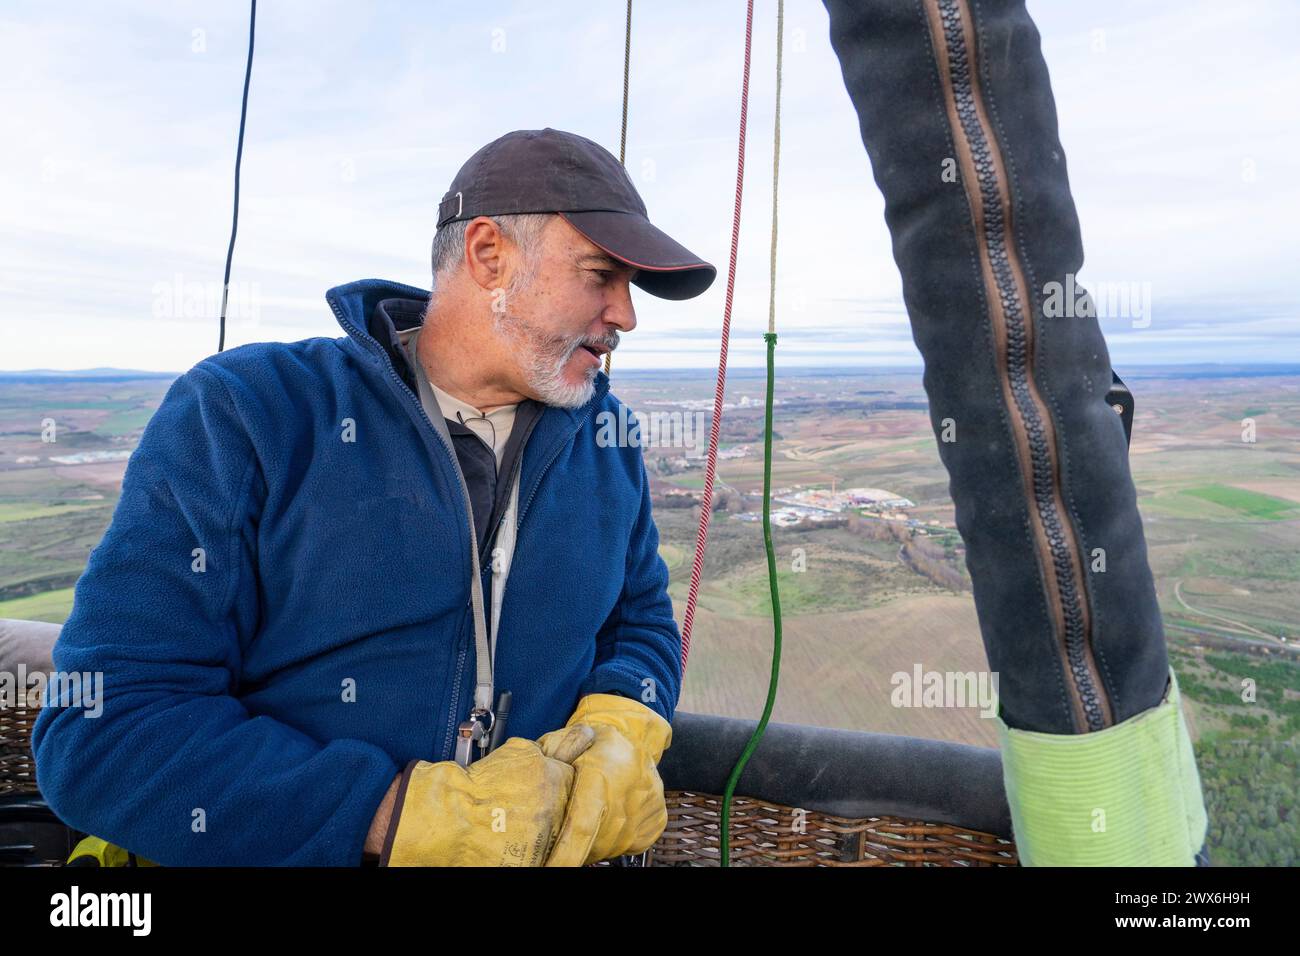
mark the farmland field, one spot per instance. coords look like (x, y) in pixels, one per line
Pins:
(1249, 503)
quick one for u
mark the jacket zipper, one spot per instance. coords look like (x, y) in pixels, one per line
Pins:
(1007, 293)
(453, 720)
(448, 742)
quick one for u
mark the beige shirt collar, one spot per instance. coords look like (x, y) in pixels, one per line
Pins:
(493, 427)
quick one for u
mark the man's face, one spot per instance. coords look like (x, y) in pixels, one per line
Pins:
(560, 321)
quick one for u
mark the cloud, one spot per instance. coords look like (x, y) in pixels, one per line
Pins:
(1179, 121)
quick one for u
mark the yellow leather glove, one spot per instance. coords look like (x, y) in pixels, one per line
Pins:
(505, 809)
(617, 805)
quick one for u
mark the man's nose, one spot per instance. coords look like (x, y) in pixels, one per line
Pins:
(619, 312)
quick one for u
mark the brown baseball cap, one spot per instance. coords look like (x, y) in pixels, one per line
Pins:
(549, 170)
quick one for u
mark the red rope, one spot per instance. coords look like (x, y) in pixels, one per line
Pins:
(706, 506)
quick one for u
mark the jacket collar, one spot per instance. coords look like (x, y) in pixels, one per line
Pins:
(355, 306)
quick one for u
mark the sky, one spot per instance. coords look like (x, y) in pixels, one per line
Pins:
(1180, 122)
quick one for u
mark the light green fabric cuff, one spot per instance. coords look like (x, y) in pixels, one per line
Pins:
(1129, 795)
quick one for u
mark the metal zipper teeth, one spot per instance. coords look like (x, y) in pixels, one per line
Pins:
(1066, 580)
(388, 363)
(448, 741)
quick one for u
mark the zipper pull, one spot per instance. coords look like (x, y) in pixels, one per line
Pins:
(473, 732)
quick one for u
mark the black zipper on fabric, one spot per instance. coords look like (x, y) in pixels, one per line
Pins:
(449, 746)
(1034, 429)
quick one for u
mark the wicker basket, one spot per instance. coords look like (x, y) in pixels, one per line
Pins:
(17, 768)
(769, 834)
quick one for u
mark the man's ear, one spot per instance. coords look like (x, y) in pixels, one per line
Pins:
(484, 246)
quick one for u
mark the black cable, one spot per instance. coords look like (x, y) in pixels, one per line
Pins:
(484, 418)
(239, 155)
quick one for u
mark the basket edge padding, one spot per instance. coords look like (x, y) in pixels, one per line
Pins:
(845, 773)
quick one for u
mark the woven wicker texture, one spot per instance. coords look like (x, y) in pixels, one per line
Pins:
(768, 834)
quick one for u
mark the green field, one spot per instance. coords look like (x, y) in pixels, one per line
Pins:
(52, 606)
(673, 556)
(125, 422)
(13, 511)
(1249, 503)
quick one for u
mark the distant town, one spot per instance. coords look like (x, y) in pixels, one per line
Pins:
(821, 504)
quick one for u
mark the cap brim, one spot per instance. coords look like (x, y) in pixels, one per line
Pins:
(666, 268)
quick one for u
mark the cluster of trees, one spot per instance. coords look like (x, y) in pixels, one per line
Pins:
(724, 499)
(1252, 798)
(1276, 686)
(929, 560)
(663, 465)
(1251, 773)
(808, 524)
(926, 556)
(879, 530)
(658, 502)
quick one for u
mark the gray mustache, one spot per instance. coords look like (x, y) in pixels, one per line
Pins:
(609, 341)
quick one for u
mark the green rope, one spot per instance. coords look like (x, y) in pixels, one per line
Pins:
(757, 735)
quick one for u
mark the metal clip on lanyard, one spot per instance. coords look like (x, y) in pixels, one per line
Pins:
(484, 728)
(473, 732)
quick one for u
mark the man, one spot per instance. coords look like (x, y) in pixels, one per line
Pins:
(331, 557)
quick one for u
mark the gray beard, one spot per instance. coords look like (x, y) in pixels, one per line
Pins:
(543, 357)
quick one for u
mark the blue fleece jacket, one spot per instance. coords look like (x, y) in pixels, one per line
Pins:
(281, 605)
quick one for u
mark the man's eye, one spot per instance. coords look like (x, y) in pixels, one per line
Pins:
(604, 274)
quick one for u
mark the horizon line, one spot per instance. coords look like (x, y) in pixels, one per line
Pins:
(151, 373)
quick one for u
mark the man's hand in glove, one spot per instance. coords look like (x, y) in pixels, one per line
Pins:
(617, 805)
(505, 809)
